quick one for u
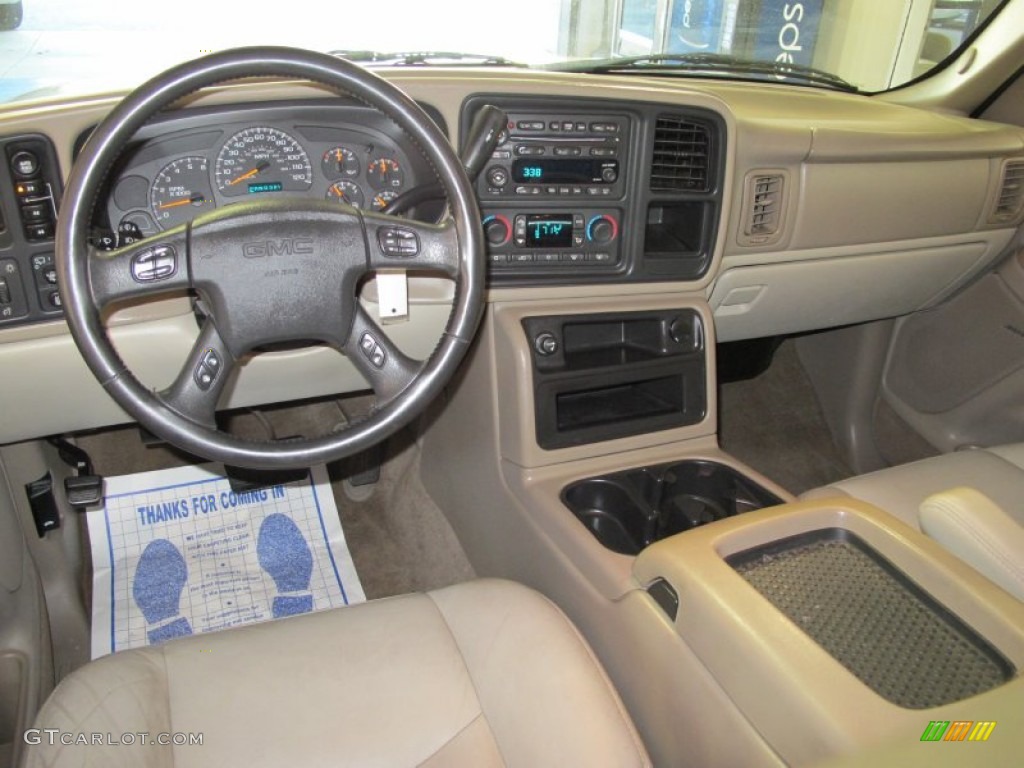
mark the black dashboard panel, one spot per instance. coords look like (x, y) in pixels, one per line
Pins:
(588, 190)
(193, 161)
(30, 189)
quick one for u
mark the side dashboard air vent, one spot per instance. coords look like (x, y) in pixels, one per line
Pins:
(1011, 192)
(682, 156)
(764, 199)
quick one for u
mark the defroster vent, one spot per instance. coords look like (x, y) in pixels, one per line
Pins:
(682, 155)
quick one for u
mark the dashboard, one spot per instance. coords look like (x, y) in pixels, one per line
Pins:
(766, 202)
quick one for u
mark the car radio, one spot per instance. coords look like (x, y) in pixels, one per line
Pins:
(549, 155)
(552, 193)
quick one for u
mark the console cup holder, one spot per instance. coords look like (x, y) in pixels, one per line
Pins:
(626, 511)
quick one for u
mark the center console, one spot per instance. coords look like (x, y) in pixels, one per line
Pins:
(580, 191)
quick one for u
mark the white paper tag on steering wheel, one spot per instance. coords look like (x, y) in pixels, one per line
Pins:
(393, 295)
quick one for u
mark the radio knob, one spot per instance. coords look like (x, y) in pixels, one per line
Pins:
(497, 176)
(609, 174)
(602, 229)
(497, 229)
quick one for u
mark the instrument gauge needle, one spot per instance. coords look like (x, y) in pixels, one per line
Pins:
(250, 173)
(184, 201)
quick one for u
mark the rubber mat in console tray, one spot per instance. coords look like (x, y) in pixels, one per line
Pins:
(176, 552)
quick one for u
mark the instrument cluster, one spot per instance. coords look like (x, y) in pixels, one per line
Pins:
(194, 161)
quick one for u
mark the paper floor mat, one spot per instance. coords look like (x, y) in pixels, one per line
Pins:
(176, 552)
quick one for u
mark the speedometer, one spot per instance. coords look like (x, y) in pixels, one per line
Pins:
(262, 159)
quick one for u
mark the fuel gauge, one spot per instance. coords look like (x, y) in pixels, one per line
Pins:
(346, 192)
(180, 191)
(340, 162)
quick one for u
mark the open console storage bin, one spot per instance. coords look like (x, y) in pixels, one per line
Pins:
(872, 619)
(609, 375)
(629, 510)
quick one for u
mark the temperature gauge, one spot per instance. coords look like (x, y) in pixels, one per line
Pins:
(381, 199)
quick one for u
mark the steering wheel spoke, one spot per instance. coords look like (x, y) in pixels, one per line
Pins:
(199, 384)
(406, 244)
(154, 266)
(385, 367)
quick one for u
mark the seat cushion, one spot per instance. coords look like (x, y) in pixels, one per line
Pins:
(996, 472)
(483, 673)
(971, 526)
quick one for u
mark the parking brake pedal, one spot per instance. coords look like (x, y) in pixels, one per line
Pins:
(86, 488)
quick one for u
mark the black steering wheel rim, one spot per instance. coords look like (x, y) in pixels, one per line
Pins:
(84, 315)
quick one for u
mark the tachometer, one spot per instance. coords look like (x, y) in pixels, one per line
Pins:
(180, 191)
(262, 159)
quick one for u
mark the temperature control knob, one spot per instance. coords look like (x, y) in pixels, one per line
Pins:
(602, 229)
(497, 229)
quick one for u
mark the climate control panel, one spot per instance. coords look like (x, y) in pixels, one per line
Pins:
(519, 239)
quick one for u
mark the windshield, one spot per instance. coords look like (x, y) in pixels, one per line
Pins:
(75, 46)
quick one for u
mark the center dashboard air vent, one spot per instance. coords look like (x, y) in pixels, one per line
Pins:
(682, 155)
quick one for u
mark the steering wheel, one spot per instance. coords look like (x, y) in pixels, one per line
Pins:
(270, 271)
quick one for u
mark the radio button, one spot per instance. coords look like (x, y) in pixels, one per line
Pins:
(567, 125)
(604, 127)
(603, 258)
(577, 190)
(581, 127)
(548, 258)
(501, 154)
(567, 151)
(563, 190)
(530, 125)
(576, 258)
(522, 258)
(497, 258)
(604, 151)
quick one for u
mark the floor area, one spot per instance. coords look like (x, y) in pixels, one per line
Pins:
(773, 423)
(399, 539)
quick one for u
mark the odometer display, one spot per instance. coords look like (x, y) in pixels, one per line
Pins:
(262, 159)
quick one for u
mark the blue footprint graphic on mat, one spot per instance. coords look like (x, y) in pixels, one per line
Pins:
(159, 579)
(284, 554)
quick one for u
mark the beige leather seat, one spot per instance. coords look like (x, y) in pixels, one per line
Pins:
(486, 673)
(970, 502)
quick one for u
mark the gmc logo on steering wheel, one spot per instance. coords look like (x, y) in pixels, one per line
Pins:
(259, 249)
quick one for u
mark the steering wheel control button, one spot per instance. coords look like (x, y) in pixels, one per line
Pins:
(397, 242)
(372, 351)
(207, 369)
(157, 263)
(212, 360)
